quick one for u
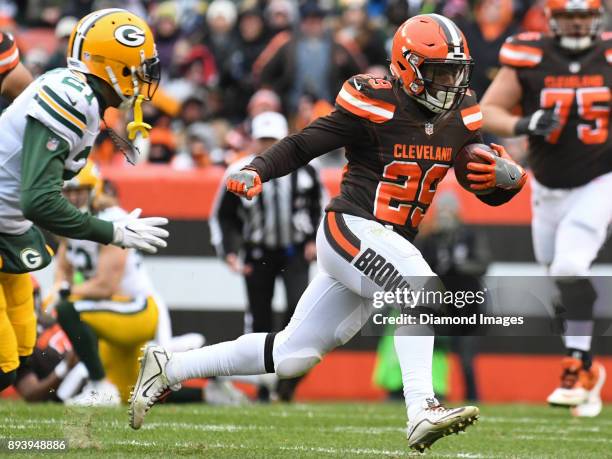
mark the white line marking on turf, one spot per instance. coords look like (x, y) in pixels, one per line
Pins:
(558, 439)
(342, 452)
(530, 420)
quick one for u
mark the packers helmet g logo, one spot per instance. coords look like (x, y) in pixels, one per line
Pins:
(31, 258)
(130, 35)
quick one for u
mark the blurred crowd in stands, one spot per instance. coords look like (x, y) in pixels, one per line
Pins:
(226, 61)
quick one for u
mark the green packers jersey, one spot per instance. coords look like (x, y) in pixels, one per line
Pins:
(63, 102)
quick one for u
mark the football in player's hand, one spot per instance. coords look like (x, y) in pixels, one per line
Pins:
(466, 155)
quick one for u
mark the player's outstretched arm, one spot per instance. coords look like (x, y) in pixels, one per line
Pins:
(42, 168)
(324, 135)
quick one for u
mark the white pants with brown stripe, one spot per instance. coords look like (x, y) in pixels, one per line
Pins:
(356, 257)
(569, 227)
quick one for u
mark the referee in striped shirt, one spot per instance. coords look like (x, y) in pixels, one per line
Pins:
(272, 235)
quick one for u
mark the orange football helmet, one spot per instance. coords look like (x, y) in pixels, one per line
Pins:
(575, 23)
(431, 58)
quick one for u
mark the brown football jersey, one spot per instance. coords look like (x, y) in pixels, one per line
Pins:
(578, 87)
(396, 154)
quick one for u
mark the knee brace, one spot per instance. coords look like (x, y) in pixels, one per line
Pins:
(7, 379)
(288, 363)
(297, 364)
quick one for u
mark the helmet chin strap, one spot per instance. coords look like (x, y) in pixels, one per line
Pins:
(428, 101)
(126, 102)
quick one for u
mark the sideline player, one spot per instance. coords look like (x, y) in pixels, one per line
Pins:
(401, 136)
(562, 83)
(113, 312)
(47, 134)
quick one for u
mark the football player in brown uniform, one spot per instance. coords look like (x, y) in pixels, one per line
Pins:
(562, 83)
(401, 136)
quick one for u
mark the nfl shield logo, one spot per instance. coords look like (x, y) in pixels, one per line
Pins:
(429, 128)
(52, 144)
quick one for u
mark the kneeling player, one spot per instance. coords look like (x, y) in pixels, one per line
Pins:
(114, 306)
(401, 136)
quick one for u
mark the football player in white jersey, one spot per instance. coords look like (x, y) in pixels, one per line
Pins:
(113, 312)
(47, 134)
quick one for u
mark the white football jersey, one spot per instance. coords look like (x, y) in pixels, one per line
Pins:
(61, 100)
(83, 256)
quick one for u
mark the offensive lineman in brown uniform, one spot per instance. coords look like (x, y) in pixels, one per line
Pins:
(562, 83)
(401, 136)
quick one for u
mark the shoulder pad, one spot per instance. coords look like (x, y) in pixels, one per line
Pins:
(470, 113)
(522, 50)
(65, 104)
(9, 54)
(367, 97)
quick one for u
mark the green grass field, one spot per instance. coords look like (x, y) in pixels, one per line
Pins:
(303, 430)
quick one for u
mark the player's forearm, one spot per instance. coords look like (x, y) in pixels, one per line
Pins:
(49, 210)
(499, 121)
(42, 168)
(281, 159)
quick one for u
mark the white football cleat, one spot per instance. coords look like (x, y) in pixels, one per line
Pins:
(96, 393)
(572, 390)
(592, 407)
(435, 421)
(151, 386)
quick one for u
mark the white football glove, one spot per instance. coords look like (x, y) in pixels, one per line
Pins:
(140, 233)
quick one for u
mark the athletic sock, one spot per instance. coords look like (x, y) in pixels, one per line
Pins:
(415, 356)
(83, 339)
(243, 356)
(584, 356)
(578, 334)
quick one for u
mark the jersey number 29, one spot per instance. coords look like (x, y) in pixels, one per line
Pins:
(407, 193)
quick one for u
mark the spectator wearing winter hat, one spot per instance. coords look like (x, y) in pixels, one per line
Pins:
(167, 32)
(221, 39)
(280, 16)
